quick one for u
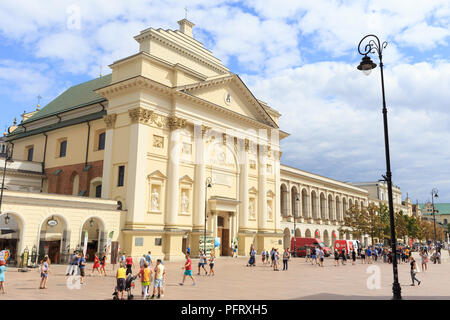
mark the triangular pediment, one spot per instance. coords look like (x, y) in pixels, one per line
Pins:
(229, 92)
(157, 175)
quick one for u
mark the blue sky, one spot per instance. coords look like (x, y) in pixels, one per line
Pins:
(299, 56)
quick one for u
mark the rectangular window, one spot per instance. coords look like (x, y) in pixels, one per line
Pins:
(62, 148)
(139, 242)
(98, 191)
(30, 152)
(120, 180)
(101, 141)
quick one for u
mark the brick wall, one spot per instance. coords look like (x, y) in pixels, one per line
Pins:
(63, 182)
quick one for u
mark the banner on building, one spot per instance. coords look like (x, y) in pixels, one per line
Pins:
(108, 245)
(209, 244)
(85, 243)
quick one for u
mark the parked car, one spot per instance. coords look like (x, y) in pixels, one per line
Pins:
(308, 242)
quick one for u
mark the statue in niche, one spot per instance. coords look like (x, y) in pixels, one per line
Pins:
(251, 209)
(184, 202)
(269, 211)
(155, 200)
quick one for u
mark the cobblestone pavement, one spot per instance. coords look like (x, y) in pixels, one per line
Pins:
(233, 280)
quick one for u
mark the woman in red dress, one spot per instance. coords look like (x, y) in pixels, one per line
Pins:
(96, 265)
(103, 264)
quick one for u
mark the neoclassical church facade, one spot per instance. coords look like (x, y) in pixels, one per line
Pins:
(176, 140)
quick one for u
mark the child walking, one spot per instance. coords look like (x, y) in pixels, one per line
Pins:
(2, 275)
(144, 274)
(211, 265)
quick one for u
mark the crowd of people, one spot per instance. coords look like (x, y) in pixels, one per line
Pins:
(274, 256)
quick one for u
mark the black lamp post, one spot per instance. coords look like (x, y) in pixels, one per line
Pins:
(434, 194)
(8, 158)
(375, 46)
(207, 185)
(297, 201)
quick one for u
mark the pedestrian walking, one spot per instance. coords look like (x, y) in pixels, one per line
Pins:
(129, 263)
(160, 277)
(313, 256)
(142, 261)
(343, 256)
(82, 267)
(369, 255)
(187, 270)
(103, 264)
(2, 275)
(263, 256)
(148, 258)
(336, 258)
(252, 261)
(202, 262)
(363, 256)
(96, 265)
(425, 260)
(275, 260)
(44, 272)
(286, 257)
(145, 274)
(384, 255)
(73, 264)
(308, 254)
(321, 256)
(353, 257)
(211, 264)
(121, 275)
(413, 272)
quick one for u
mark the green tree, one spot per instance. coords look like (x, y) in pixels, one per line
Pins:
(354, 222)
(373, 221)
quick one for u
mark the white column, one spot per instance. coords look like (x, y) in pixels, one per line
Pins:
(243, 185)
(262, 193)
(199, 180)
(137, 172)
(277, 214)
(171, 216)
(107, 156)
(327, 216)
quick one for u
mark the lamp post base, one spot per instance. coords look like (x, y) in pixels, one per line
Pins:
(396, 291)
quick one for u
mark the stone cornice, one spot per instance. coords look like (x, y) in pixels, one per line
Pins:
(176, 123)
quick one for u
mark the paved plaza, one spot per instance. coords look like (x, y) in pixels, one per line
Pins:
(233, 280)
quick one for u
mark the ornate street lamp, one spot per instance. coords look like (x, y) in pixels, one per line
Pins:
(207, 185)
(297, 201)
(375, 46)
(434, 194)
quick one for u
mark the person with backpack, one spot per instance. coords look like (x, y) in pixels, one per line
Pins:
(145, 275)
(82, 267)
(286, 257)
(73, 264)
(121, 280)
(44, 272)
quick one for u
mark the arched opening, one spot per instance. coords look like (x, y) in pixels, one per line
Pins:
(350, 203)
(315, 211)
(323, 214)
(344, 207)
(333, 238)
(284, 200)
(11, 231)
(294, 203)
(308, 233)
(54, 239)
(362, 204)
(338, 209)
(326, 238)
(95, 188)
(317, 234)
(305, 210)
(298, 234)
(347, 236)
(93, 232)
(286, 238)
(331, 211)
(75, 182)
